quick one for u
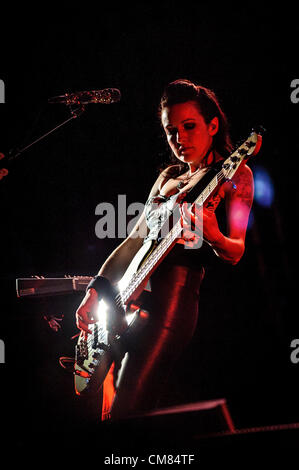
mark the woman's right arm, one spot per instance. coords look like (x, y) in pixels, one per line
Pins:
(116, 264)
(113, 269)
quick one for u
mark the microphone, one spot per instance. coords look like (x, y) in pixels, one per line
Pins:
(106, 96)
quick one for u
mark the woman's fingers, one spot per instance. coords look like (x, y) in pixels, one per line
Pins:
(191, 220)
(82, 325)
(87, 313)
(191, 216)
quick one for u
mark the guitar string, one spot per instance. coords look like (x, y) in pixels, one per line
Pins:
(202, 198)
(128, 290)
(121, 297)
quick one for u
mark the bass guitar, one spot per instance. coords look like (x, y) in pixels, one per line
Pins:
(96, 352)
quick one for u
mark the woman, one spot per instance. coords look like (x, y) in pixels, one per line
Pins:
(197, 134)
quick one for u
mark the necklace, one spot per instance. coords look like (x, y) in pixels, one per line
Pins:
(186, 180)
(202, 165)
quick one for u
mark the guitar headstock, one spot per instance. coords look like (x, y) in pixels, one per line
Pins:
(248, 149)
(254, 141)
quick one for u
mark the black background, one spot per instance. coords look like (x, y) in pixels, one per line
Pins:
(241, 350)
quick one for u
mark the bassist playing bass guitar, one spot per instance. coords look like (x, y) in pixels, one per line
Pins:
(197, 133)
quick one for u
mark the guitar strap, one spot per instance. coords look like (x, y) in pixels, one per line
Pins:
(190, 198)
(194, 192)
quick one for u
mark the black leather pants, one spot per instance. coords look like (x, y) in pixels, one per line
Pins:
(173, 308)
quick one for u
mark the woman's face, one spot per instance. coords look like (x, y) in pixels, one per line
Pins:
(188, 135)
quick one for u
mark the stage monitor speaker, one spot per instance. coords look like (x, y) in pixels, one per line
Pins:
(204, 417)
(177, 423)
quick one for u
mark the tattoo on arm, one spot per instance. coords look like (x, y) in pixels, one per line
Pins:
(213, 203)
(244, 191)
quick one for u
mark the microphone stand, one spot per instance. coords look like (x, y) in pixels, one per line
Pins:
(75, 113)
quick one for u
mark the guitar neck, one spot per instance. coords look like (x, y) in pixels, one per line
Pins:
(228, 168)
(199, 194)
(167, 243)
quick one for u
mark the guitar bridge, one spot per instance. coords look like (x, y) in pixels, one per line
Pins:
(81, 351)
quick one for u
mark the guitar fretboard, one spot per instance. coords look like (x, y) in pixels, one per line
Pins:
(167, 242)
(229, 168)
(49, 286)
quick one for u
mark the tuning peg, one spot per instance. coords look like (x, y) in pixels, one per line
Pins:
(259, 129)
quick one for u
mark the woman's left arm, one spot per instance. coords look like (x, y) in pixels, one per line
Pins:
(238, 205)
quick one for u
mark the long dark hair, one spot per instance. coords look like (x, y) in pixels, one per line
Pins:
(182, 90)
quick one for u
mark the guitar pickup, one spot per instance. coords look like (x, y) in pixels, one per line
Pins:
(81, 353)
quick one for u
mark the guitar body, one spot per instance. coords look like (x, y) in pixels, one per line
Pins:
(136, 264)
(95, 355)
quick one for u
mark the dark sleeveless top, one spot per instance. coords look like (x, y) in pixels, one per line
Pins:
(157, 210)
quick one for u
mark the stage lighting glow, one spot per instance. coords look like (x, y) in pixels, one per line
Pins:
(130, 317)
(122, 284)
(239, 216)
(263, 187)
(251, 219)
(102, 312)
